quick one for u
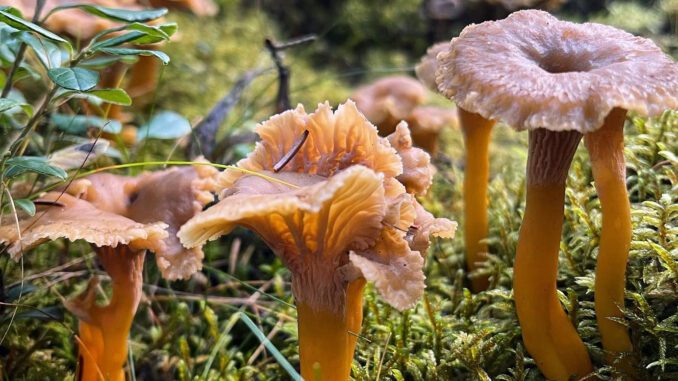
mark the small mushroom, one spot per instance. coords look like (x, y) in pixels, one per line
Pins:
(120, 244)
(477, 134)
(337, 217)
(560, 80)
(389, 100)
(426, 124)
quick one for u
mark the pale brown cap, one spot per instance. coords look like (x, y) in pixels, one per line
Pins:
(427, 67)
(531, 71)
(76, 219)
(336, 141)
(388, 100)
(417, 170)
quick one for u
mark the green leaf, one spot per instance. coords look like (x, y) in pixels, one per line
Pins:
(114, 96)
(165, 125)
(154, 34)
(51, 313)
(137, 52)
(119, 40)
(103, 62)
(115, 14)
(21, 24)
(49, 53)
(13, 293)
(7, 104)
(75, 78)
(79, 124)
(27, 205)
(19, 165)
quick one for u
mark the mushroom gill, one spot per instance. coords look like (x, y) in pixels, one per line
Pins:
(336, 216)
(120, 244)
(560, 80)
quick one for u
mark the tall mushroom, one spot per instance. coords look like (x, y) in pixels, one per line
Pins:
(560, 80)
(120, 244)
(477, 132)
(337, 217)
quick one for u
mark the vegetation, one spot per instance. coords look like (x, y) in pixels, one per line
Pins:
(210, 327)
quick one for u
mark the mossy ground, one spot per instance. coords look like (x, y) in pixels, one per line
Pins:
(191, 330)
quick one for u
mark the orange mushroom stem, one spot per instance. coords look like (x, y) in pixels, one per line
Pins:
(104, 329)
(606, 149)
(477, 134)
(547, 331)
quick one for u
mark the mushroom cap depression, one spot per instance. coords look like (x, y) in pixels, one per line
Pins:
(334, 213)
(531, 71)
(76, 219)
(388, 100)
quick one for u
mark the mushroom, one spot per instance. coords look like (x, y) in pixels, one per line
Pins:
(120, 244)
(560, 80)
(337, 217)
(389, 100)
(477, 134)
(172, 196)
(426, 123)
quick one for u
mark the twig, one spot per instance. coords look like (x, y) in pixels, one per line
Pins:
(290, 154)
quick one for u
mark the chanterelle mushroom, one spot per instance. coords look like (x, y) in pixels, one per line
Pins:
(335, 214)
(561, 80)
(388, 100)
(120, 244)
(477, 133)
(172, 196)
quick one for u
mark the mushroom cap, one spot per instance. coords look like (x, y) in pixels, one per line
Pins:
(531, 71)
(427, 226)
(417, 173)
(427, 67)
(336, 141)
(431, 119)
(389, 100)
(172, 196)
(310, 228)
(78, 220)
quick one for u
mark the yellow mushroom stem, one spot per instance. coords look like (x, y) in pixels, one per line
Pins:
(477, 133)
(327, 339)
(606, 149)
(106, 331)
(548, 333)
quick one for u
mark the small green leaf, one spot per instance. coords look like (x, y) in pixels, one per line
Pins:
(165, 125)
(75, 78)
(124, 15)
(119, 40)
(19, 165)
(114, 96)
(137, 52)
(7, 104)
(27, 205)
(79, 124)
(154, 34)
(21, 24)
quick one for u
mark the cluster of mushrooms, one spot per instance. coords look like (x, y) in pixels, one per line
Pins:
(561, 81)
(338, 207)
(337, 202)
